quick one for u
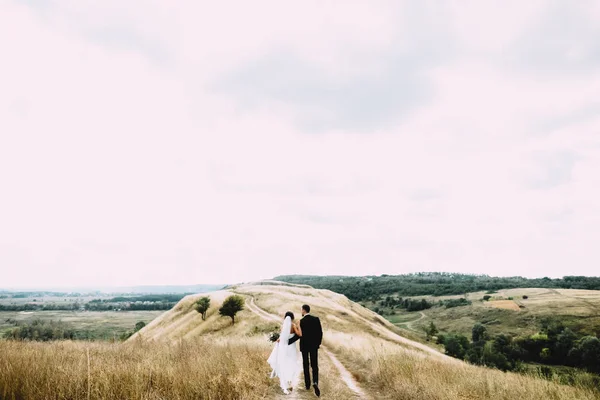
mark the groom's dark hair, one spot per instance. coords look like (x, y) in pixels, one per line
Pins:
(289, 314)
(306, 308)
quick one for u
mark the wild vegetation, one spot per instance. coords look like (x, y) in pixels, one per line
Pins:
(553, 345)
(48, 330)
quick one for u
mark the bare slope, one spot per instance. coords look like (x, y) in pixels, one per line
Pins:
(363, 357)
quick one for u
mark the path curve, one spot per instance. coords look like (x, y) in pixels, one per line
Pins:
(394, 337)
(409, 324)
(345, 375)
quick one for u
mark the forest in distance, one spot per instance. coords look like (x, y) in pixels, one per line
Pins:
(360, 288)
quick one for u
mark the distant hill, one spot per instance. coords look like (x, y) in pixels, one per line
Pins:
(166, 289)
(143, 289)
(359, 288)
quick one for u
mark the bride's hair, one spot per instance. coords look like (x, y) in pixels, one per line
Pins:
(289, 314)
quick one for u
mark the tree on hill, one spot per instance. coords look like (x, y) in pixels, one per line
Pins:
(202, 306)
(231, 306)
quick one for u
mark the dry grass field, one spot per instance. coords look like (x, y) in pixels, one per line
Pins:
(503, 304)
(195, 369)
(180, 356)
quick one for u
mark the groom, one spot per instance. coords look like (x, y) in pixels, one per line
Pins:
(312, 335)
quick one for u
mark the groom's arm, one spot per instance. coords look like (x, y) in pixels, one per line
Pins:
(294, 339)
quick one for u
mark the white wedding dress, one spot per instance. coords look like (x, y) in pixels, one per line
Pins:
(285, 358)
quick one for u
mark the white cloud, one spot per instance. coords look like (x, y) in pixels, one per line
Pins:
(123, 159)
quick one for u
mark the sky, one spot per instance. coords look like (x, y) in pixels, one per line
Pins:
(154, 142)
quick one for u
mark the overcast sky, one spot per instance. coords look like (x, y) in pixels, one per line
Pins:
(162, 142)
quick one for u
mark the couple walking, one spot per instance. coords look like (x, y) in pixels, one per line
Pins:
(285, 359)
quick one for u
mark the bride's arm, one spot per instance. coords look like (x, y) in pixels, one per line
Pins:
(297, 330)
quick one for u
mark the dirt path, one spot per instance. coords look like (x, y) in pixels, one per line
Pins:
(409, 324)
(345, 375)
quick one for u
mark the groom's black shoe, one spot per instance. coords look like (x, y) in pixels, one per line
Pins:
(317, 390)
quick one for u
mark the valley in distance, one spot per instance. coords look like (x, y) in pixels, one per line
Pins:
(414, 336)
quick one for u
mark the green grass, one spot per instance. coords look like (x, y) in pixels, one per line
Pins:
(402, 317)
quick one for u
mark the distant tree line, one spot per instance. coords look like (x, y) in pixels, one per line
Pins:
(553, 345)
(24, 295)
(122, 303)
(90, 306)
(432, 283)
(40, 307)
(173, 298)
(407, 304)
(137, 306)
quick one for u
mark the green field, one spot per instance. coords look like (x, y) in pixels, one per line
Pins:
(100, 325)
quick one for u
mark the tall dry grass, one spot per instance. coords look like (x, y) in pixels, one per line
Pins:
(400, 374)
(198, 369)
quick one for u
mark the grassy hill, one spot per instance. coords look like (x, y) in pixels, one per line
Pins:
(577, 309)
(181, 356)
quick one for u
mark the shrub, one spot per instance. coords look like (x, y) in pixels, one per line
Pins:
(455, 302)
(231, 306)
(139, 325)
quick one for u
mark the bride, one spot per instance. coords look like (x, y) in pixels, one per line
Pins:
(284, 358)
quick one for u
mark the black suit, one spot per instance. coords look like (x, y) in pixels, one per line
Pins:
(312, 336)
